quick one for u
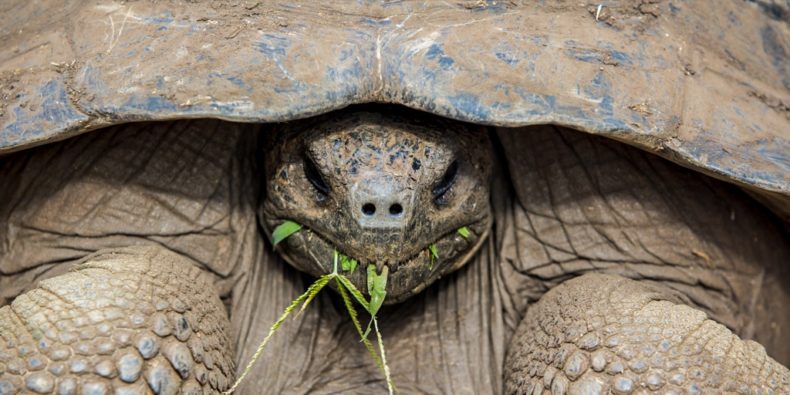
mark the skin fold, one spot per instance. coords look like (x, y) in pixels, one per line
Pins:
(136, 258)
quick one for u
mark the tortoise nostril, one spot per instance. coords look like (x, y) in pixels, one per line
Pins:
(368, 209)
(396, 209)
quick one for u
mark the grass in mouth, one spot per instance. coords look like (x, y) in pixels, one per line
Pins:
(377, 284)
(433, 251)
(285, 229)
(346, 263)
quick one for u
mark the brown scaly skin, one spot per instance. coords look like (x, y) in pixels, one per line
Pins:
(125, 320)
(683, 265)
(606, 334)
(407, 161)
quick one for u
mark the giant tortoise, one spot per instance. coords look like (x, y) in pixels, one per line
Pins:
(620, 170)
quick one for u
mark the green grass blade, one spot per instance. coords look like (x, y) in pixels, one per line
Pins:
(283, 230)
(288, 310)
(354, 291)
(390, 383)
(314, 289)
(360, 299)
(464, 232)
(352, 312)
(381, 363)
(368, 329)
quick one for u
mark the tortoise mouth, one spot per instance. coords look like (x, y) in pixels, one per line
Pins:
(312, 252)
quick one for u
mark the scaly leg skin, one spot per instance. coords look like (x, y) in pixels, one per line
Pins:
(129, 321)
(607, 334)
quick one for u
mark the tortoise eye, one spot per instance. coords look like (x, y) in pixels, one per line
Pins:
(444, 185)
(314, 176)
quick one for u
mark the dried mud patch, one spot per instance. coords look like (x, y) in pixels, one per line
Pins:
(9, 89)
(638, 14)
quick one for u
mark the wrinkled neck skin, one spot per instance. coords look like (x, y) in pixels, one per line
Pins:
(400, 191)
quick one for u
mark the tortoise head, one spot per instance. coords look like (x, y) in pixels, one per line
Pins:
(409, 193)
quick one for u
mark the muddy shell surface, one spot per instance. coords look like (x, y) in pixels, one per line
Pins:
(705, 85)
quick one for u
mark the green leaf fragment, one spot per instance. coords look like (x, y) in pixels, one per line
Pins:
(348, 264)
(434, 252)
(354, 264)
(345, 263)
(285, 229)
(464, 232)
(377, 288)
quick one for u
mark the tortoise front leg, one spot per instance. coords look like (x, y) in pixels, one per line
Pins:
(130, 321)
(600, 334)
